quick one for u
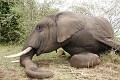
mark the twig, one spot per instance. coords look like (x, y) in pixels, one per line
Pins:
(72, 71)
(117, 48)
(75, 72)
(15, 61)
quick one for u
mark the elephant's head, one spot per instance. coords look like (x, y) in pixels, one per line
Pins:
(43, 37)
(52, 32)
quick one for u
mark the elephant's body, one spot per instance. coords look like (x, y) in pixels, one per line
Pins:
(75, 33)
(88, 39)
(80, 43)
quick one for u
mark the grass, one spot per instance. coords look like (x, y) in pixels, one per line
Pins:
(109, 69)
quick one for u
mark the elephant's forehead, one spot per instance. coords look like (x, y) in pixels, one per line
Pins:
(45, 20)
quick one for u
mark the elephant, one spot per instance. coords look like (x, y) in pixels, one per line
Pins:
(82, 36)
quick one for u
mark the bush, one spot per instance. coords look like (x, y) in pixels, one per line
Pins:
(10, 30)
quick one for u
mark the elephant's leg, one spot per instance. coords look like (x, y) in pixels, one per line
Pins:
(102, 36)
(31, 68)
(111, 43)
(85, 60)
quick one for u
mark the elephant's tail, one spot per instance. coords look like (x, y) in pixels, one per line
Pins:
(35, 73)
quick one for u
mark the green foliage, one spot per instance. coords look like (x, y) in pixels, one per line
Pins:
(17, 18)
(10, 30)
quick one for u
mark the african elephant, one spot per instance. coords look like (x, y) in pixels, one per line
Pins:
(82, 36)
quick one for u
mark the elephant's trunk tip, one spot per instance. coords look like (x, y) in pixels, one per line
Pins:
(38, 74)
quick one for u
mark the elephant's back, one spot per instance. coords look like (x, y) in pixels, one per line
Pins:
(106, 26)
(99, 25)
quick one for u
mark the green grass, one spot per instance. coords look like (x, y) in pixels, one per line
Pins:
(109, 69)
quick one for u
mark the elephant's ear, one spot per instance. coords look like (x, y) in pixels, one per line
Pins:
(68, 24)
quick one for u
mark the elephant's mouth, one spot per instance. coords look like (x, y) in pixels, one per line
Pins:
(37, 51)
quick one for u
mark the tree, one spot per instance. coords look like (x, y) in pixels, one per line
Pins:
(9, 23)
(31, 12)
(18, 17)
(109, 9)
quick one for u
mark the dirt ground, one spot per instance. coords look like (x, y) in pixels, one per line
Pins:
(1, 74)
(109, 69)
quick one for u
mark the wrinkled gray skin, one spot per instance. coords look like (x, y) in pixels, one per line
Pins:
(84, 60)
(75, 33)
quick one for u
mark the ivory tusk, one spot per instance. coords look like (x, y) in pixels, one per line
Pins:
(21, 53)
(15, 61)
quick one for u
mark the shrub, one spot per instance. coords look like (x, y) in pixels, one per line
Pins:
(10, 30)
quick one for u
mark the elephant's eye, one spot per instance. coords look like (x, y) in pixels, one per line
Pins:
(39, 28)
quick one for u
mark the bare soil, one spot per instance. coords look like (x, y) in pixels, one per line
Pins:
(109, 69)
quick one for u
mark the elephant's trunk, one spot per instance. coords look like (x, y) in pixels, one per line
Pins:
(31, 68)
(35, 73)
(32, 71)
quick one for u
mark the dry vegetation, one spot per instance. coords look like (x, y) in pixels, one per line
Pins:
(109, 69)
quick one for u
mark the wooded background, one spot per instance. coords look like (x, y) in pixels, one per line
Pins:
(18, 17)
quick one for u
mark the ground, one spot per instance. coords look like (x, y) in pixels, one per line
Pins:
(109, 69)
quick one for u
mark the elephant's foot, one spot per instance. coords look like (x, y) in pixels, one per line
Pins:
(85, 60)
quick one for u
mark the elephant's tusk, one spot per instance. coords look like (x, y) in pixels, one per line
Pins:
(15, 61)
(21, 53)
